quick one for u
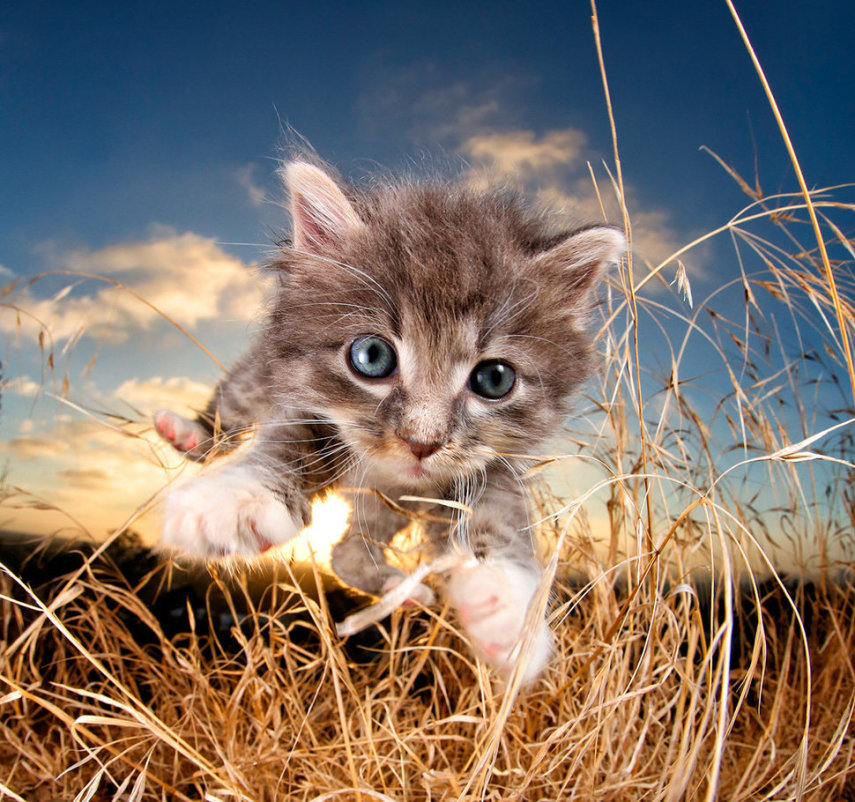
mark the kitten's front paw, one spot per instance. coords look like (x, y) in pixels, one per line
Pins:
(227, 511)
(184, 435)
(492, 598)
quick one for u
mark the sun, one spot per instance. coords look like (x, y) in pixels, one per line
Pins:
(330, 514)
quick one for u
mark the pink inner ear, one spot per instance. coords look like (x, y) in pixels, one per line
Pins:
(309, 233)
(323, 216)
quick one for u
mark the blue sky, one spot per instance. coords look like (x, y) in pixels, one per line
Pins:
(139, 140)
(117, 116)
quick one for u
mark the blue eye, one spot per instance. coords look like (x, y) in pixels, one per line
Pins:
(373, 357)
(492, 379)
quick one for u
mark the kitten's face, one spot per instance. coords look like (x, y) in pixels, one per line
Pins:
(438, 330)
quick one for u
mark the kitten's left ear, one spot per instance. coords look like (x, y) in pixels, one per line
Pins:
(585, 254)
(322, 215)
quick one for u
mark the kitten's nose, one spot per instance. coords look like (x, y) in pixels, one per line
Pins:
(419, 448)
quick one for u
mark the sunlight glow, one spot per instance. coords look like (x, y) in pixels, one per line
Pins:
(330, 514)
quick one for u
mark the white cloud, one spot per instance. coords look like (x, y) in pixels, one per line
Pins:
(245, 176)
(177, 392)
(523, 153)
(185, 277)
(22, 385)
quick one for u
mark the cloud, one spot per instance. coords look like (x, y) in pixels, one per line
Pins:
(83, 432)
(486, 120)
(27, 447)
(87, 478)
(185, 277)
(434, 106)
(245, 176)
(177, 392)
(654, 239)
(90, 471)
(21, 385)
(453, 110)
(481, 120)
(524, 153)
(100, 469)
(553, 166)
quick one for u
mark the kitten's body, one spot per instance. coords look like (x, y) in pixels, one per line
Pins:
(403, 311)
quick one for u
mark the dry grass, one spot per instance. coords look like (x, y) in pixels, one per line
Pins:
(99, 698)
(717, 447)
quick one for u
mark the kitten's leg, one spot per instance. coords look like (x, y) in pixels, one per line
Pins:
(361, 564)
(227, 511)
(493, 595)
(492, 598)
(359, 560)
(241, 506)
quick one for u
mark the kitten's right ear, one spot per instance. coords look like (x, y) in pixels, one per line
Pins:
(584, 255)
(322, 215)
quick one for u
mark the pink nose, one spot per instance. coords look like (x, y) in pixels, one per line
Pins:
(420, 449)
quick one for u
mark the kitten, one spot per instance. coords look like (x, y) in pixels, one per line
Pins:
(422, 335)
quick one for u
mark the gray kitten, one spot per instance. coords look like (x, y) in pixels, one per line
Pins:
(422, 335)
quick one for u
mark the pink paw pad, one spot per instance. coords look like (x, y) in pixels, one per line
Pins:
(492, 600)
(181, 433)
(472, 613)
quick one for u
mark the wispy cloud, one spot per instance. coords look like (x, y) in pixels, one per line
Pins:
(186, 277)
(435, 107)
(177, 392)
(654, 238)
(489, 124)
(87, 478)
(524, 153)
(554, 166)
(84, 466)
(245, 176)
(21, 385)
(27, 447)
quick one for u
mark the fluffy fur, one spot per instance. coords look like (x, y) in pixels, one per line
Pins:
(451, 279)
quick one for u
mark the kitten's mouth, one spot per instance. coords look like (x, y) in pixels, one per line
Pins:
(418, 471)
(412, 470)
(399, 465)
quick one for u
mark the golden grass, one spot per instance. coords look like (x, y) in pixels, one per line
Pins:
(717, 443)
(98, 697)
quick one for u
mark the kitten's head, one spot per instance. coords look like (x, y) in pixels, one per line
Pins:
(437, 327)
